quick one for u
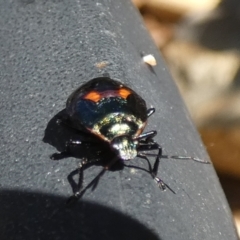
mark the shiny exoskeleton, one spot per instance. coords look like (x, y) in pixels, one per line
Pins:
(117, 115)
(111, 111)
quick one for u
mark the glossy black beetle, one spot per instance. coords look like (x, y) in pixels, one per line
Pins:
(117, 115)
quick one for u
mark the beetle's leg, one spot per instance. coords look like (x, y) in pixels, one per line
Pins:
(147, 136)
(66, 153)
(148, 146)
(150, 112)
(85, 164)
(79, 171)
(153, 170)
(92, 184)
(161, 184)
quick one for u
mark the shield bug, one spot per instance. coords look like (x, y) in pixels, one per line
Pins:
(116, 115)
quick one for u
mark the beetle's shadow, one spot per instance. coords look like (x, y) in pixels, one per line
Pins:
(58, 133)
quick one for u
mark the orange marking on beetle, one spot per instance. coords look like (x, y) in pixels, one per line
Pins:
(124, 93)
(93, 96)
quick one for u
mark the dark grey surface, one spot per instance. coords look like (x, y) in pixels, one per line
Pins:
(47, 49)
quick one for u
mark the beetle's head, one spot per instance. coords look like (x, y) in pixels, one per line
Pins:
(125, 146)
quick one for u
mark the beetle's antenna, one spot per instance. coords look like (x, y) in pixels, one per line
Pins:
(178, 157)
(187, 158)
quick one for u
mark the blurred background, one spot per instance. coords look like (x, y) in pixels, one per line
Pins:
(200, 41)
